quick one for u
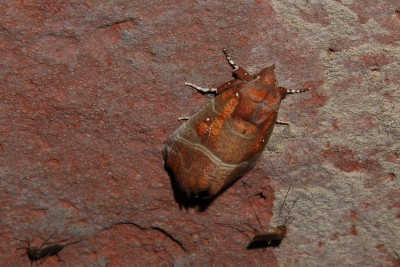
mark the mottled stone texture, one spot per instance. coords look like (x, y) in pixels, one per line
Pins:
(89, 90)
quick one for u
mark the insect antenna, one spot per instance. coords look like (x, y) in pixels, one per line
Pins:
(238, 71)
(74, 242)
(289, 219)
(230, 61)
(283, 204)
(252, 203)
(54, 242)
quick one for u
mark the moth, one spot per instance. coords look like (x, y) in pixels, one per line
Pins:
(270, 236)
(224, 139)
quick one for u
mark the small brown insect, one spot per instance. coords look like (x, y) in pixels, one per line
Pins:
(224, 139)
(38, 255)
(272, 236)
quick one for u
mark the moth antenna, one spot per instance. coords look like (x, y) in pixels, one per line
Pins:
(230, 61)
(296, 91)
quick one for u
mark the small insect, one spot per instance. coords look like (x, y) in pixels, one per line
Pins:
(272, 236)
(40, 254)
(224, 139)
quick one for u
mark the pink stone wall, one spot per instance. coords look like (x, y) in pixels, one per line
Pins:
(89, 91)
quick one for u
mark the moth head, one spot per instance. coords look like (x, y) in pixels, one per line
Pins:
(267, 75)
(282, 230)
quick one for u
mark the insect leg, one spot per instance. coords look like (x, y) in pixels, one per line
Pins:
(24, 248)
(202, 89)
(183, 118)
(282, 122)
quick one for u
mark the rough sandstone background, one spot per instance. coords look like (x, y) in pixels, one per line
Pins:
(90, 90)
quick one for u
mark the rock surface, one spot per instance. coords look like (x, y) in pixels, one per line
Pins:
(89, 91)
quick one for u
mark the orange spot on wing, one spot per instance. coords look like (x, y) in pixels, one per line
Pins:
(202, 128)
(228, 94)
(227, 111)
(216, 128)
(229, 108)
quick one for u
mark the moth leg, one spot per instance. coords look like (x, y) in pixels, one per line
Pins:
(296, 91)
(239, 72)
(183, 118)
(202, 89)
(282, 122)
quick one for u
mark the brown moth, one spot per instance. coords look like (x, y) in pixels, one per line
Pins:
(224, 139)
